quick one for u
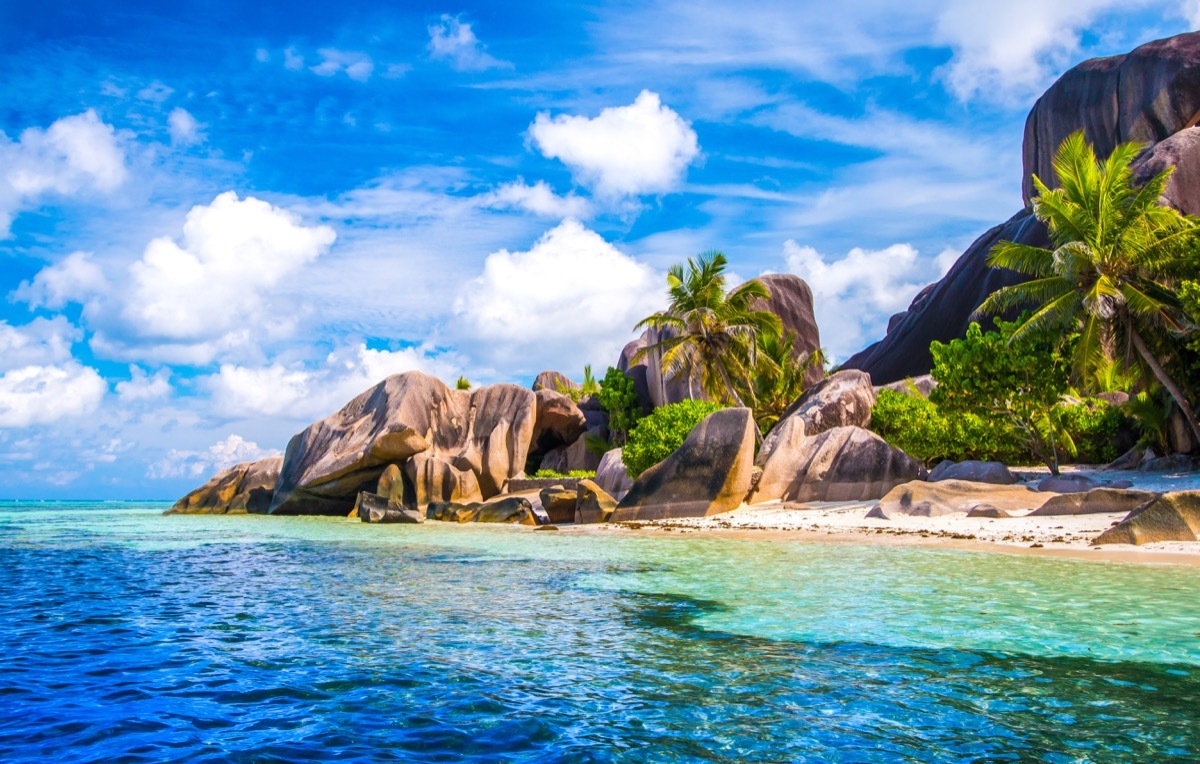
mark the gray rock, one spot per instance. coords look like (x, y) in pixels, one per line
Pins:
(1068, 483)
(510, 509)
(842, 464)
(243, 488)
(486, 431)
(593, 504)
(554, 381)
(974, 471)
(1095, 501)
(951, 497)
(558, 422)
(709, 474)
(373, 508)
(612, 476)
(843, 399)
(1172, 463)
(1170, 517)
(920, 386)
(559, 504)
(987, 510)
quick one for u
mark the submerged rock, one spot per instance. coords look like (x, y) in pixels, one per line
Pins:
(841, 464)
(709, 474)
(1170, 517)
(243, 488)
(509, 509)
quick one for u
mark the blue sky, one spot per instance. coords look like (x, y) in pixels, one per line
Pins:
(219, 221)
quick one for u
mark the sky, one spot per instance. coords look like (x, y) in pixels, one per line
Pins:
(220, 221)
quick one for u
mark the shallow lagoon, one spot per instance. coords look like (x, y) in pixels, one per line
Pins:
(139, 637)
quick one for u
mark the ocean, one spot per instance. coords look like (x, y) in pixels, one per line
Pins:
(130, 636)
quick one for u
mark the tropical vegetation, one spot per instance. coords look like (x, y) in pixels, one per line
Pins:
(659, 434)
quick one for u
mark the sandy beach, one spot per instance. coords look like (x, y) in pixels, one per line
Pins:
(1067, 536)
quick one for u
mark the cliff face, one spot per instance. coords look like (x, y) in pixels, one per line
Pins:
(1151, 95)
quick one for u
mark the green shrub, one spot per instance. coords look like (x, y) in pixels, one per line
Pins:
(462, 384)
(1094, 426)
(919, 427)
(656, 436)
(618, 396)
(579, 474)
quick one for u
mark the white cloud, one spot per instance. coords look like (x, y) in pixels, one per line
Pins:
(197, 464)
(1010, 51)
(143, 387)
(155, 92)
(74, 279)
(643, 148)
(208, 290)
(1190, 10)
(853, 297)
(75, 154)
(357, 66)
(572, 299)
(42, 394)
(301, 393)
(293, 60)
(42, 341)
(262, 55)
(454, 41)
(184, 128)
(539, 199)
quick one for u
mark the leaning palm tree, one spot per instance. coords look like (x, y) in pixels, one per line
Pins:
(707, 334)
(1116, 254)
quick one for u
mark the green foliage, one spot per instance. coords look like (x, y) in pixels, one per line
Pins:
(919, 427)
(779, 378)
(618, 396)
(462, 384)
(1091, 427)
(707, 335)
(579, 474)
(590, 386)
(1150, 411)
(658, 435)
(1017, 377)
(1112, 275)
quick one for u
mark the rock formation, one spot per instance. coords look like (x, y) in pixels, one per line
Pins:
(1171, 517)
(840, 464)
(243, 488)
(372, 508)
(709, 474)
(559, 504)
(1097, 501)
(612, 476)
(593, 504)
(950, 497)
(843, 399)
(1151, 95)
(974, 471)
(486, 432)
(557, 423)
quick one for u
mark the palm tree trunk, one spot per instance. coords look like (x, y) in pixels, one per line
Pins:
(1165, 380)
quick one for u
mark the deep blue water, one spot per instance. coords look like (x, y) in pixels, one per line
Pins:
(128, 636)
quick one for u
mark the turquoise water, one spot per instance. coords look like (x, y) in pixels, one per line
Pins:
(136, 637)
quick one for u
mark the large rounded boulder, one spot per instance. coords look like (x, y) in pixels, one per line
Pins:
(1171, 517)
(709, 474)
(243, 488)
(485, 431)
(843, 399)
(841, 464)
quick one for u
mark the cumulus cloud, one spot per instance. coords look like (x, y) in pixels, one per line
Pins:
(75, 278)
(539, 199)
(41, 341)
(299, 392)
(643, 148)
(1011, 50)
(142, 387)
(75, 154)
(190, 299)
(452, 40)
(41, 394)
(357, 66)
(572, 299)
(219, 456)
(184, 129)
(854, 296)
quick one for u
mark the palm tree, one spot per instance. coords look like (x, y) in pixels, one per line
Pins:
(780, 378)
(1108, 278)
(707, 333)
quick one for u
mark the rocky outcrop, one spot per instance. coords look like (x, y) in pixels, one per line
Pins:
(709, 474)
(1070, 483)
(1146, 95)
(514, 510)
(577, 456)
(921, 386)
(951, 497)
(843, 399)
(1171, 517)
(244, 488)
(1151, 95)
(974, 471)
(557, 423)
(593, 504)
(1096, 501)
(791, 300)
(1171, 463)
(612, 476)
(554, 381)
(559, 504)
(485, 431)
(433, 479)
(373, 508)
(841, 464)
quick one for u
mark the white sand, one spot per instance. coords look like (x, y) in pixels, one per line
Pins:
(1068, 535)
